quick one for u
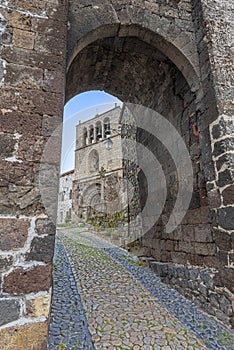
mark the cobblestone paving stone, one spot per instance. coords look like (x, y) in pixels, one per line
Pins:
(68, 325)
(127, 307)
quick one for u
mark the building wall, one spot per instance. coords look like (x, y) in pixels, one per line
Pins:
(32, 76)
(65, 197)
(87, 181)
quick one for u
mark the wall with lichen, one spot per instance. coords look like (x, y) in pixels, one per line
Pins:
(32, 75)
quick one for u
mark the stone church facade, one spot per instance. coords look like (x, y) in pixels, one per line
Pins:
(172, 56)
(98, 179)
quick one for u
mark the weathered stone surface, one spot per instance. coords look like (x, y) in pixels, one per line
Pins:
(223, 128)
(188, 233)
(33, 280)
(23, 77)
(225, 218)
(41, 249)
(32, 101)
(32, 67)
(13, 233)
(5, 263)
(205, 248)
(10, 311)
(223, 240)
(53, 81)
(226, 160)
(225, 177)
(31, 197)
(21, 123)
(38, 307)
(7, 145)
(31, 337)
(215, 198)
(17, 19)
(50, 124)
(228, 195)
(35, 59)
(31, 148)
(223, 146)
(225, 278)
(23, 39)
(44, 226)
(203, 233)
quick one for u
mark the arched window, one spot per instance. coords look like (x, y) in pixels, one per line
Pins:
(99, 131)
(107, 130)
(85, 137)
(93, 161)
(91, 134)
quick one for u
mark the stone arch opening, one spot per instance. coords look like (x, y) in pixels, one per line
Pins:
(141, 67)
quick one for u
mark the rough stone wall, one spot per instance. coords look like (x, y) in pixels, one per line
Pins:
(65, 197)
(32, 67)
(172, 57)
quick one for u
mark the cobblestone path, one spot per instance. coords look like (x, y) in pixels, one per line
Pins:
(117, 309)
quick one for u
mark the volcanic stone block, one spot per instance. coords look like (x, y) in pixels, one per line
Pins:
(21, 122)
(214, 198)
(228, 195)
(17, 19)
(31, 336)
(7, 142)
(23, 77)
(205, 248)
(223, 128)
(225, 218)
(30, 198)
(225, 177)
(10, 310)
(33, 280)
(13, 233)
(5, 263)
(23, 39)
(32, 101)
(226, 160)
(188, 233)
(36, 59)
(49, 45)
(54, 81)
(225, 277)
(38, 307)
(41, 249)
(203, 233)
(44, 226)
(223, 146)
(31, 148)
(223, 240)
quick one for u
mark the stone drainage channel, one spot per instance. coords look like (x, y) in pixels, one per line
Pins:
(103, 300)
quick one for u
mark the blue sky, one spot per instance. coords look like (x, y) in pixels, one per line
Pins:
(80, 108)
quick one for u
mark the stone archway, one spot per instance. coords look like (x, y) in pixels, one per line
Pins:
(158, 67)
(32, 71)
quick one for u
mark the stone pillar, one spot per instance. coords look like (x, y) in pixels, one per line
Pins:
(95, 133)
(103, 130)
(32, 72)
